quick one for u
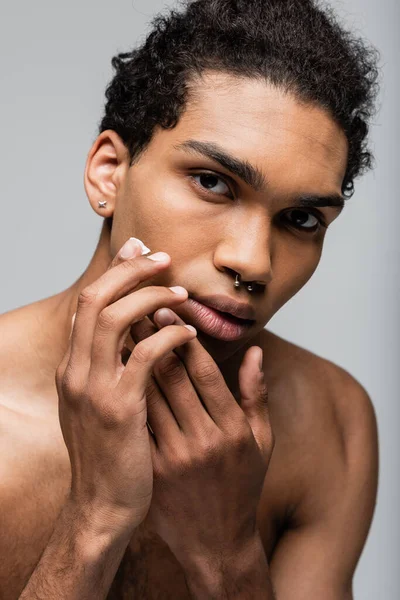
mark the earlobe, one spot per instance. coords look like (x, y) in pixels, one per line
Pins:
(106, 165)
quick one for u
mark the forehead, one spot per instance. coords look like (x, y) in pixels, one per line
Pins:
(260, 123)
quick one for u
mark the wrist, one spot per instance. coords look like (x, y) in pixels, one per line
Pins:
(95, 529)
(242, 553)
(209, 573)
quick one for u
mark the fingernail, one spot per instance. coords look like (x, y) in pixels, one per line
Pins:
(178, 290)
(128, 250)
(145, 249)
(159, 257)
(191, 328)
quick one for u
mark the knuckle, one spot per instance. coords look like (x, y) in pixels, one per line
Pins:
(68, 384)
(111, 417)
(181, 463)
(142, 353)
(240, 442)
(208, 449)
(88, 296)
(206, 373)
(107, 319)
(170, 367)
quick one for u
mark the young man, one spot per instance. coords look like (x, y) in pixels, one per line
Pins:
(143, 460)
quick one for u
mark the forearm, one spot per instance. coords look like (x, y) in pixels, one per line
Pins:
(244, 576)
(79, 561)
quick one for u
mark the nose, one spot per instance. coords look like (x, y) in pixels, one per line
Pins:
(247, 255)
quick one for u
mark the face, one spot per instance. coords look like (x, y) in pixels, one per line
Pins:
(214, 219)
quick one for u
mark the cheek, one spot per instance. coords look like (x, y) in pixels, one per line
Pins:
(169, 216)
(291, 276)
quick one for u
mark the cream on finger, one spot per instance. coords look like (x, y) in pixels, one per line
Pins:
(145, 249)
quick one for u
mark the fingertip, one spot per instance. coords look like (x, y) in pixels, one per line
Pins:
(130, 249)
(191, 328)
(164, 317)
(133, 248)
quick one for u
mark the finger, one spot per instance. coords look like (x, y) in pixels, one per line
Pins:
(173, 385)
(115, 320)
(158, 409)
(137, 372)
(208, 381)
(131, 249)
(81, 342)
(108, 288)
(254, 399)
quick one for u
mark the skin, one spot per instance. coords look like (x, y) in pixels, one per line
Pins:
(300, 150)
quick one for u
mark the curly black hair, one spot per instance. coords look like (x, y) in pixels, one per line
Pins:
(293, 44)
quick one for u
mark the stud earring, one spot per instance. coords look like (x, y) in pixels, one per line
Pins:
(103, 204)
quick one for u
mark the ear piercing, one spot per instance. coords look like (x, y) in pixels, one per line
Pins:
(103, 204)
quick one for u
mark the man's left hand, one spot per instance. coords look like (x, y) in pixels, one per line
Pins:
(210, 456)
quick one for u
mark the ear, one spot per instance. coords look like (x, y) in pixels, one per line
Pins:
(106, 166)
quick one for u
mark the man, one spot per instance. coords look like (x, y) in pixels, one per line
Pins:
(141, 459)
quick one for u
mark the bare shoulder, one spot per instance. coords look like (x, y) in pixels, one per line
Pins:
(34, 468)
(34, 482)
(326, 426)
(306, 386)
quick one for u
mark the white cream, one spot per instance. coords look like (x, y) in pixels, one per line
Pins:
(144, 248)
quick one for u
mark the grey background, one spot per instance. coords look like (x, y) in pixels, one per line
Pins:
(55, 63)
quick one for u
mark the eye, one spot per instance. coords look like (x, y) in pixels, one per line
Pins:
(305, 220)
(212, 183)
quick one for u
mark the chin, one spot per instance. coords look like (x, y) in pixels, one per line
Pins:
(220, 350)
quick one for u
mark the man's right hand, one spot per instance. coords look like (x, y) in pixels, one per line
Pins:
(102, 403)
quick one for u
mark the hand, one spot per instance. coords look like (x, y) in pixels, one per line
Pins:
(210, 455)
(102, 403)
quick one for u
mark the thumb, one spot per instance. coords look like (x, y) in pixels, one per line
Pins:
(254, 399)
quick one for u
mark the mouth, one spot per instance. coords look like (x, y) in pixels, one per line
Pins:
(221, 325)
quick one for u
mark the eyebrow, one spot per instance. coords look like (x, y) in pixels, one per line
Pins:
(253, 176)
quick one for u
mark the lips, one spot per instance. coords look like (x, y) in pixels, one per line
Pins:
(213, 322)
(227, 305)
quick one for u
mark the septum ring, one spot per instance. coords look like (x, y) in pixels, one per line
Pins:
(237, 284)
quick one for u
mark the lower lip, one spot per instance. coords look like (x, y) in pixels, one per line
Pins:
(214, 323)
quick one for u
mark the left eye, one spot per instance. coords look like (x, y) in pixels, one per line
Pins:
(303, 220)
(210, 181)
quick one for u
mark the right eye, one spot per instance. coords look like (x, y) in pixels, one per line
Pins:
(208, 182)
